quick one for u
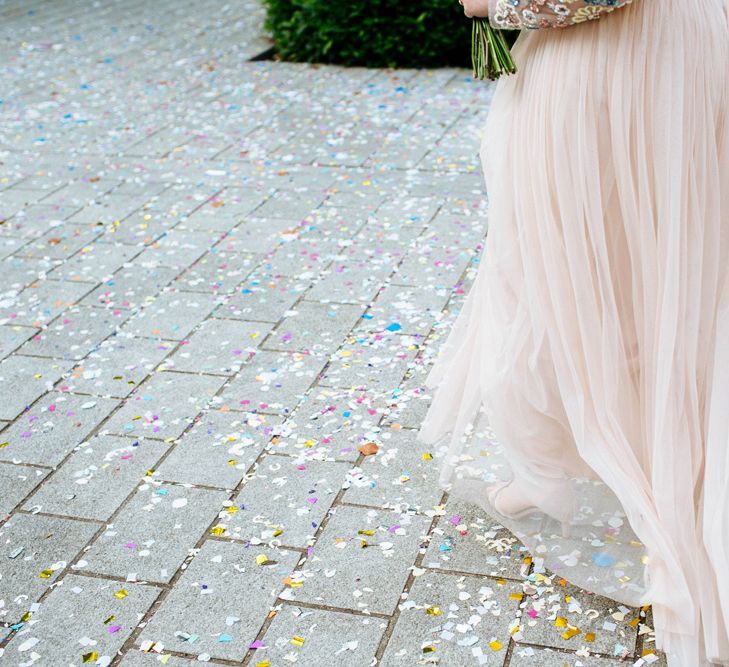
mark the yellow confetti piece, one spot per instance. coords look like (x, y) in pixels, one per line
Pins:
(265, 663)
(232, 509)
(109, 620)
(570, 632)
(366, 532)
(560, 622)
(514, 630)
(45, 574)
(4, 444)
(121, 594)
(310, 443)
(495, 646)
(590, 637)
(149, 473)
(233, 462)
(218, 530)
(297, 641)
(434, 611)
(633, 622)
(261, 559)
(26, 616)
(278, 532)
(37, 375)
(500, 582)
(90, 657)
(517, 596)
(427, 456)
(429, 649)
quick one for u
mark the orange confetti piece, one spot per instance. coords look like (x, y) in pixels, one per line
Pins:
(368, 449)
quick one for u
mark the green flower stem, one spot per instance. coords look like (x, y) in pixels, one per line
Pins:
(490, 54)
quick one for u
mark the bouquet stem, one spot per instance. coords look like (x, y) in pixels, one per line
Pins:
(490, 54)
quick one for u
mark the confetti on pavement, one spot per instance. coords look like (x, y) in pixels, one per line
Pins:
(224, 282)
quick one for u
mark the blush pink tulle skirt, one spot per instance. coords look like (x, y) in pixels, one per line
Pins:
(590, 361)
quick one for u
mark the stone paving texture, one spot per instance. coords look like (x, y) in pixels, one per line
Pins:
(224, 280)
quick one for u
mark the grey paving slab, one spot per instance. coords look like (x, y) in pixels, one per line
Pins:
(19, 273)
(83, 616)
(219, 449)
(41, 302)
(11, 245)
(94, 263)
(273, 382)
(12, 336)
(284, 500)
(467, 539)
(362, 559)
(131, 287)
(403, 474)
(33, 221)
(217, 272)
(327, 636)
(528, 656)
(172, 315)
(354, 279)
(154, 532)
(378, 362)
(290, 205)
(222, 600)
(262, 235)
(35, 550)
(165, 405)
(97, 477)
(562, 616)
(405, 309)
(263, 298)
(50, 430)
(322, 433)
(108, 209)
(219, 346)
(17, 481)
(458, 620)
(118, 365)
(224, 214)
(316, 327)
(413, 400)
(305, 257)
(62, 241)
(141, 658)
(75, 334)
(178, 248)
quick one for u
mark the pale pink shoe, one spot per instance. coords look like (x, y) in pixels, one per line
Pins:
(494, 490)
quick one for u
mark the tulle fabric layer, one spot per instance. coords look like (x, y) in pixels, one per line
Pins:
(590, 361)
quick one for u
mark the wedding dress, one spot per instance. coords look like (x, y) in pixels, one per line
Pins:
(590, 360)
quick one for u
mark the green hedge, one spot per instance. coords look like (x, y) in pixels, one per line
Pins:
(371, 33)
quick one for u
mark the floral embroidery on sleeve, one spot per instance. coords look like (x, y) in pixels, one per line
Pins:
(535, 14)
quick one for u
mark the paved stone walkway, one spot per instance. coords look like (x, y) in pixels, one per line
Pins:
(223, 281)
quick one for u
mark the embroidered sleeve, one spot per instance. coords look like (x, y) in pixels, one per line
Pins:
(535, 14)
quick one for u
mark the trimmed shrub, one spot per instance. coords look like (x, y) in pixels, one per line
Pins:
(371, 33)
